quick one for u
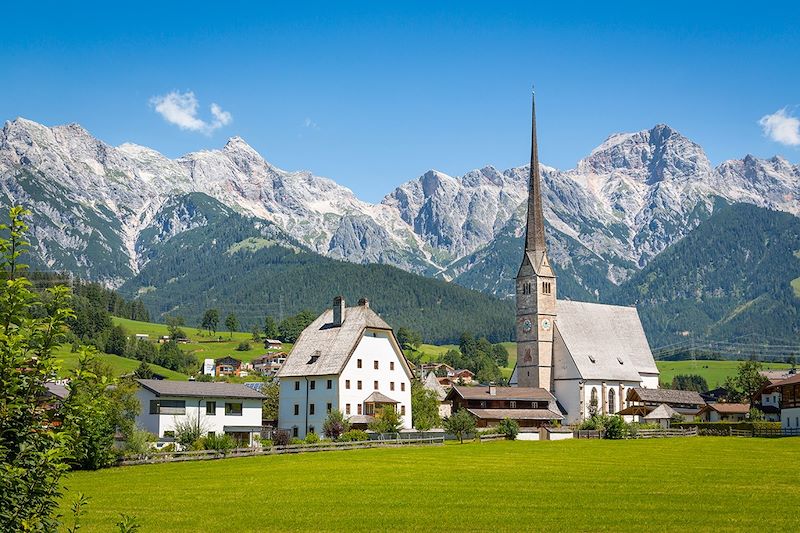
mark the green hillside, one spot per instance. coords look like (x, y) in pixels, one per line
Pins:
(241, 267)
(119, 365)
(714, 372)
(730, 277)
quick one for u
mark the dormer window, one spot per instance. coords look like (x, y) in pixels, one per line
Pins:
(592, 359)
(620, 360)
(314, 357)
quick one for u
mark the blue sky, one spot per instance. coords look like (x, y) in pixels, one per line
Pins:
(373, 94)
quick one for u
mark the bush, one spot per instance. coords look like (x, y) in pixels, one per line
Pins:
(616, 428)
(244, 346)
(188, 430)
(281, 438)
(509, 428)
(222, 443)
(266, 443)
(295, 441)
(312, 438)
(354, 435)
(169, 448)
(138, 442)
(335, 425)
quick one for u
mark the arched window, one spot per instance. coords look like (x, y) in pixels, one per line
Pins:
(612, 408)
(593, 405)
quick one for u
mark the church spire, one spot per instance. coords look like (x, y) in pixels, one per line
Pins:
(534, 230)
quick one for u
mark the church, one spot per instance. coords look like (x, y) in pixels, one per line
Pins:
(587, 355)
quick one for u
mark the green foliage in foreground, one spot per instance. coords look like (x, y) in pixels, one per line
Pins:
(429, 493)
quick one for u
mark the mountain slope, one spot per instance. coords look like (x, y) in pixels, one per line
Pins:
(243, 265)
(730, 277)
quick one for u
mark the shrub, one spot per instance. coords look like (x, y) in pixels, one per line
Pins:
(244, 346)
(169, 448)
(138, 442)
(281, 438)
(354, 435)
(615, 428)
(312, 438)
(295, 441)
(188, 430)
(266, 443)
(335, 425)
(509, 428)
(223, 443)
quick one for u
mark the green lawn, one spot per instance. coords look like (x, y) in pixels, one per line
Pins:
(647, 485)
(714, 372)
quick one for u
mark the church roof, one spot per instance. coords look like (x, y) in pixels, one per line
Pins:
(323, 348)
(605, 341)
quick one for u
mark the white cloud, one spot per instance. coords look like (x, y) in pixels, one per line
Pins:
(181, 109)
(781, 127)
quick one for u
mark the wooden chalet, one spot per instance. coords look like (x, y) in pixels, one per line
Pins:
(529, 406)
(227, 366)
(640, 402)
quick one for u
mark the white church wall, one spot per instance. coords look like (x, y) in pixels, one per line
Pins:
(649, 381)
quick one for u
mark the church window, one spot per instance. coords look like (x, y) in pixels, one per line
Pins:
(546, 287)
(526, 288)
(612, 408)
(594, 396)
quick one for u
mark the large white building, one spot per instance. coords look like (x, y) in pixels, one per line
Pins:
(588, 355)
(217, 408)
(348, 359)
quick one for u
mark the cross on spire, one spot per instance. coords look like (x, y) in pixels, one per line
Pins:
(534, 230)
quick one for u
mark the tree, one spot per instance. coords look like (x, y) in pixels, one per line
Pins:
(387, 420)
(272, 390)
(408, 339)
(509, 428)
(488, 372)
(32, 454)
(335, 425)
(293, 326)
(117, 341)
(691, 382)
(424, 407)
(174, 324)
(256, 333)
(143, 371)
(500, 354)
(231, 323)
(271, 328)
(459, 424)
(210, 321)
(749, 380)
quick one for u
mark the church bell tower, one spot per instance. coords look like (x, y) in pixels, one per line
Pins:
(536, 289)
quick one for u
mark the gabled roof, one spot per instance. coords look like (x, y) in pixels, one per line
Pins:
(501, 393)
(516, 414)
(199, 389)
(790, 381)
(228, 360)
(377, 397)
(661, 412)
(324, 348)
(432, 383)
(727, 408)
(605, 341)
(668, 396)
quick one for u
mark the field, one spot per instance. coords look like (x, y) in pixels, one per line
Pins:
(120, 365)
(647, 485)
(714, 372)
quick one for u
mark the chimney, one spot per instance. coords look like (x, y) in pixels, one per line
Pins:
(492, 389)
(338, 311)
(363, 302)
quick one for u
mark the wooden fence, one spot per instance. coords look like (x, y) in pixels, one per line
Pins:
(205, 455)
(664, 433)
(493, 436)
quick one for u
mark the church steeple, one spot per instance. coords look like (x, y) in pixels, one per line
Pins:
(534, 230)
(536, 289)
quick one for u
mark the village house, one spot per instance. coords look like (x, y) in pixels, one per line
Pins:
(724, 412)
(347, 359)
(790, 404)
(768, 399)
(640, 402)
(530, 407)
(272, 344)
(588, 355)
(269, 364)
(217, 408)
(227, 366)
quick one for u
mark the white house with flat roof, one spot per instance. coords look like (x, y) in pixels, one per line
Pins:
(218, 408)
(347, 359)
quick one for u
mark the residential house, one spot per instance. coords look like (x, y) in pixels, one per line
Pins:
(217, 408)
(347, 359)
(724, 412)
(272, 344)
(462, 375)
(530, 407)
(768, 399)
(269, 364)
(790, 404)
(715, 395)
(227, 366)
(640, 402)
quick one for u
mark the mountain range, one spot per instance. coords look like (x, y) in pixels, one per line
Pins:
(105, 212)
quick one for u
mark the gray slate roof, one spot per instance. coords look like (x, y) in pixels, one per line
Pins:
(432, 383)
(668, 396)
(332, 345)
(199, 389)
(56, 390)
(608, 334)
(379, 397)
(661, 412)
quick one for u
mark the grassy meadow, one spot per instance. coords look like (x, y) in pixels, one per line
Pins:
(642, 485)
(714, 372)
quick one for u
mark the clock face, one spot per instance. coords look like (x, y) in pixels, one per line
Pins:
(546, 324)
(527, 326)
